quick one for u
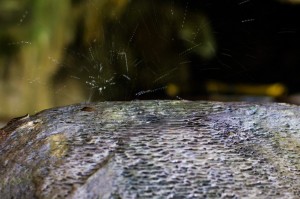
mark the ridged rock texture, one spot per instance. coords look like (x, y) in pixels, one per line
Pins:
(153, 149)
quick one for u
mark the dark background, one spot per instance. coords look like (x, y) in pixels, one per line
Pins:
(55, 53)
(263, 50)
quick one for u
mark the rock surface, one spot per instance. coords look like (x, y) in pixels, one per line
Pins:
(153, 149)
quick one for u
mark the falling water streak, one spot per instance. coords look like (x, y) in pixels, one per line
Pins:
(127, 77)
(125, 57)
(196, 34)
(191, 48)
(165, 75)
(226, 54)
(23, 17)
(150, 91)
(137, 62)
(74, 77)
(53, 60)
(247, 20)
(179, 98)
(133, 34)
(91, 95)
(185, 62)
(184, 15)
(91, 53)
(172, 8)
(19, 43)
(243, 2)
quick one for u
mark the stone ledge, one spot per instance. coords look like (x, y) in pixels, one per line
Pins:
(153, 149)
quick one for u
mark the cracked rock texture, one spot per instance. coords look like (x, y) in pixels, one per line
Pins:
(153, 149)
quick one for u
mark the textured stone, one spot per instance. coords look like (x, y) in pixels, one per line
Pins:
(153, 149)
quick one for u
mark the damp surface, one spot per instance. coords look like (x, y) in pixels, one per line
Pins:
(153, 149)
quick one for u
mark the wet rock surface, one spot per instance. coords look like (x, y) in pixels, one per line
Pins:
(153, 149)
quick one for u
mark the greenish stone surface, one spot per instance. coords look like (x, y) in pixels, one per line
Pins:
(153, 149)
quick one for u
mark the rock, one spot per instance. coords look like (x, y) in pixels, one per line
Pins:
(153, 149)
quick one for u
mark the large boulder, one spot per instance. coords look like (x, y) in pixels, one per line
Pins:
(153, 149)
